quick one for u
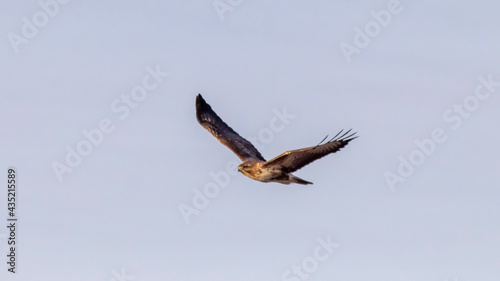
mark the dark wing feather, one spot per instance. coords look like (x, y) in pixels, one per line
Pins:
(221, 131)
(293, 160)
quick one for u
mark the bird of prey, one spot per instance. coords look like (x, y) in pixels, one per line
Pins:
(254, 166)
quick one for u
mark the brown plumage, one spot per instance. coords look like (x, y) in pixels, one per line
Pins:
(254, 166)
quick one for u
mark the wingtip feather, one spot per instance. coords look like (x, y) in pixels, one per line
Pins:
(201, 107)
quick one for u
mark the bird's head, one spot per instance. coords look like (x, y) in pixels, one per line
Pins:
(243, 168)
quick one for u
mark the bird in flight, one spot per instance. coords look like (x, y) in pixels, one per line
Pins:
(254, 166)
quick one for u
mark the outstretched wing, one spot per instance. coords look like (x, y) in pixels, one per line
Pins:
(221, 131)
(293, 160)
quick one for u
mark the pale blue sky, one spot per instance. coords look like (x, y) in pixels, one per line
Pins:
(118, 208)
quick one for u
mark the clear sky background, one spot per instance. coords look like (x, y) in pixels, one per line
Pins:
(418, 80)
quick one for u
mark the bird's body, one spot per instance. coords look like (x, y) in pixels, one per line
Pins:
(254, 166)
(259, 171)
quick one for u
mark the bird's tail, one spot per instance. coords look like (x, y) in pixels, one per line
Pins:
(298, 180)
